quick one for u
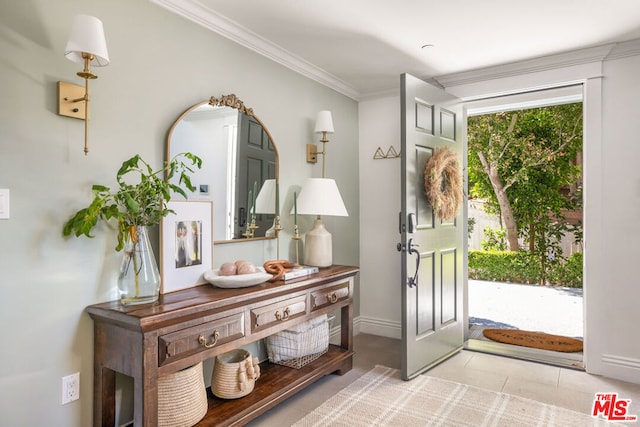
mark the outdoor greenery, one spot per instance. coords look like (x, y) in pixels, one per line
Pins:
(567, 272)
(523, 164)
(523, 267)
(503, 266)
(520, 162)
(471, 224)
(495, 239)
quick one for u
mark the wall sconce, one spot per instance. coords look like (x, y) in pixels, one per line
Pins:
(86, 45)
(267, 202)
(324, 125)
(319, 196)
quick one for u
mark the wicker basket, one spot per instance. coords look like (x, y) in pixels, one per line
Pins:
(301, 345)
(182, 398)
(234, 374)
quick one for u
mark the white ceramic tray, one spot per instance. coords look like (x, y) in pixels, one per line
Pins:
(238, 280)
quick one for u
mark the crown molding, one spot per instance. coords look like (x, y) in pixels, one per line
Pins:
(551, 62)
(205, 17)
(625, 50)
(388, 93)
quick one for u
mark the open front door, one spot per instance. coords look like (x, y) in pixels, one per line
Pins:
(433, 251)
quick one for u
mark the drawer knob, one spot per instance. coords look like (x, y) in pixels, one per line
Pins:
(202, 340)
(284, 316)
(333, 298)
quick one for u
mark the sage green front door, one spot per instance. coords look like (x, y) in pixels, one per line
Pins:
(433, 251)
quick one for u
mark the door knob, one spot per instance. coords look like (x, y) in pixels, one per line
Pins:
(413, 281)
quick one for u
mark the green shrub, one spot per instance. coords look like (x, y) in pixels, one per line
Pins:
(504, 266)
(567, 273)
(524, 267)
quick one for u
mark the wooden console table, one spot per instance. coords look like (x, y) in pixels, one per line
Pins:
(148, 341)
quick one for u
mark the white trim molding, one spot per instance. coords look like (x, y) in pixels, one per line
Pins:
(621, 367)
(627, 362)
(196, 12)
(369, 325)
(529, 75)
(536, 65)
(335, 331)
(380, 327)
(624, 50)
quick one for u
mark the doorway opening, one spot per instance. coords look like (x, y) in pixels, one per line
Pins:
(525, 221)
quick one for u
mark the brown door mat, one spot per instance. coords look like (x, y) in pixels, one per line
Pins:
(534, 340)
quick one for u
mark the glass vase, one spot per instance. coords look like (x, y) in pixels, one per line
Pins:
(139, 279)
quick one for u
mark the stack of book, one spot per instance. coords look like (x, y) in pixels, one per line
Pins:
(300, 272)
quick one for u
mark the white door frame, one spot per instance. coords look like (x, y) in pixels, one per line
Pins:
(588, 72)
(516, 102)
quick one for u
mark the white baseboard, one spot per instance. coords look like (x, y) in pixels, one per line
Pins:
(621, 368)
(380, 327)
(369, 325)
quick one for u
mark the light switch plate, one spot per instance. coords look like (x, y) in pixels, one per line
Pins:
(4, 203)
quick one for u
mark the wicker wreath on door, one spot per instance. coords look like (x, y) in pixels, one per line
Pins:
(443, 183)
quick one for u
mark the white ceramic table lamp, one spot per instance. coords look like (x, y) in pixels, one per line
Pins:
(319, 196)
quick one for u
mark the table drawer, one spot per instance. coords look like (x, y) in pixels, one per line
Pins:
(186, 342)
(276, 313)
(329, 296)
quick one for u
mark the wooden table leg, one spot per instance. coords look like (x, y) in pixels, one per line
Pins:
(104, 397)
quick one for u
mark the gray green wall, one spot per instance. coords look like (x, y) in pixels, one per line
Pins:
(160, 65)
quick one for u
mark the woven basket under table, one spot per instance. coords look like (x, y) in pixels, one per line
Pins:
(234, 374)
(182, 398)
(300, 345)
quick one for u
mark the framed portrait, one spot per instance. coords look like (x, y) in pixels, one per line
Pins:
(186, 244)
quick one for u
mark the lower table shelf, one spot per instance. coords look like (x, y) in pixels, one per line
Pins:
(276, 384)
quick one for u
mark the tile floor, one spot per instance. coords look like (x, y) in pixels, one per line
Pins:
(563, 387)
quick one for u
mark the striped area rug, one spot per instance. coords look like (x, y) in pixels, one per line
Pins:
(381, 398)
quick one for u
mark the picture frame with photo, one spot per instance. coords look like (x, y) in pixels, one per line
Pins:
(186, 244)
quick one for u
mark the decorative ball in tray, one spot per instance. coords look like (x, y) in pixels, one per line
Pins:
(239, 274)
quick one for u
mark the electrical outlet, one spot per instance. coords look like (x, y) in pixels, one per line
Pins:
(70, 388)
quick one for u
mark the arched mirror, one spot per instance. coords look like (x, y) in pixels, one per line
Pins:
(239, 166)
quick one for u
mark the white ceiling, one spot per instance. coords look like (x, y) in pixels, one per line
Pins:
(361, 47)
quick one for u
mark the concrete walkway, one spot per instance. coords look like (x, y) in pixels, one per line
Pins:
(550, 309)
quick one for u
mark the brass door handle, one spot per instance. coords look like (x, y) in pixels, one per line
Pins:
(413, 281)
(284, 316)
(202, 340)
(333, 298)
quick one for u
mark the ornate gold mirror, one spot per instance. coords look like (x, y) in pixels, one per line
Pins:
(239, 166)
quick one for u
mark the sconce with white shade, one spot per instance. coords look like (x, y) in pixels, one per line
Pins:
(319, 196)
(267, 202)
(87, 46)
(324, 125)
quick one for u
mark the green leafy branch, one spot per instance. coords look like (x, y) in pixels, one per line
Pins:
(140, 204)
